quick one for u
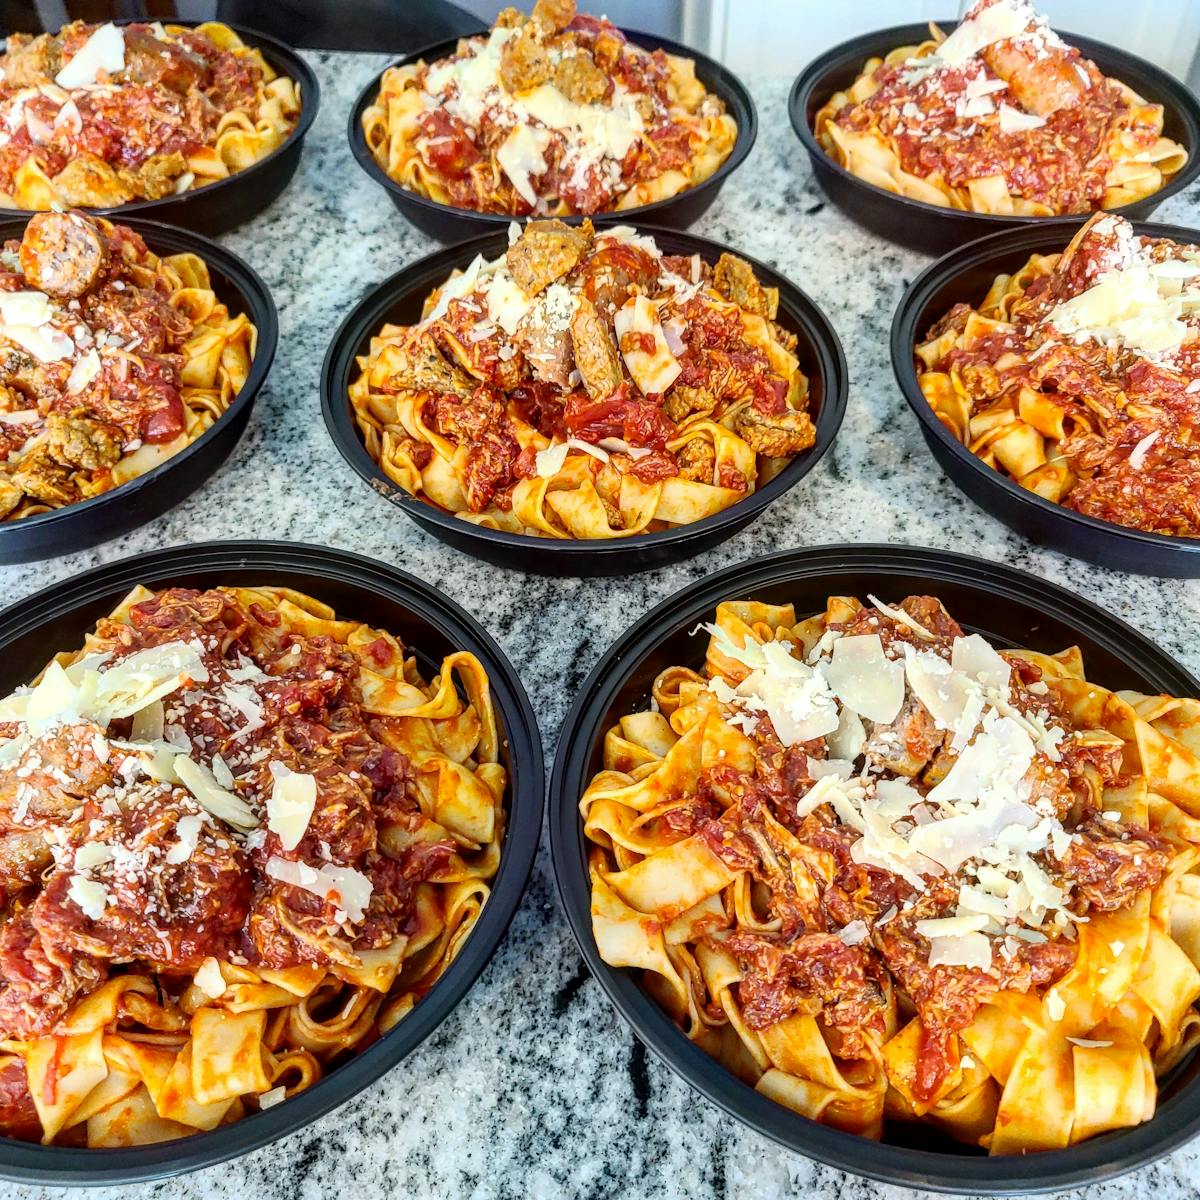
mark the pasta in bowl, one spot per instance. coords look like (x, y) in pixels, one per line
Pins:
(554, 114)
(1001, 117)
(102, 116)
(245, 837)
(588, 398)
(701, 873)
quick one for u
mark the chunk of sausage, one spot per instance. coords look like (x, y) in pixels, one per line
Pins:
(545, 252)
(62, 253)
(579, 79)
(554, 14)
(734, 278)
(776, 435)
(596, 355)
(1041, 84)
(83, 442)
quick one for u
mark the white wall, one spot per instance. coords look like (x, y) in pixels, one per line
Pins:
(780, 36)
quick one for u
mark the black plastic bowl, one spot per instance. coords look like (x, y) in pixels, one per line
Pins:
(400, 298)
(218, 207)
(966, 274)
(77, 526)
(1007, 606)
(431, 625)
(928, 227)
(448, 224)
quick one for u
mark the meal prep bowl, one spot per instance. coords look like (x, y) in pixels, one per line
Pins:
(1011, 608)
(928, 227)
(431, 625)
(446, 223)
(966, 275)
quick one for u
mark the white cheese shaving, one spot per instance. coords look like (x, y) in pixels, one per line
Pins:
(521, 156)
(103, 51)
(83, 372)
(654, 371)
(1137, 456)
(1056, 1007)
(91, 897)
(223, 804)
(1013, 120)
(277, 1095)
(855, 933)
(349, 889)
(209, 979)
(548, 462)
(864, 679)
(290, 805)
(187, 831)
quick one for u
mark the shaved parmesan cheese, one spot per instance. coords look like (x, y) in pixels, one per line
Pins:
(209, 979)
(1116, 948)
(1013, 120)
(187, 830)
(947, 927)
(818, 768)
(587, 448)
(91, 897)
(976, 658)
(854, 933)
(522, 155)
(972, 950)
(550, 461)
(349, 889)
(224, 805)
(275, 1096)
(148, 723)
(1137, 456)
(903, 618)
(25, 308)
(92, 854)
(981, 86)
(1056, 1008)
(507, 302)
(865, 679)
(103, 51)
(654, 371)
(849, 738)
(1004, 19)
(455, 288)
(290, 806)
(45, 343)
(83, 372)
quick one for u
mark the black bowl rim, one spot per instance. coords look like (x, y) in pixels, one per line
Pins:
(281, 56)
(1089, 1162)
(904, 335)
(64, 1166)
(364, 318)
(731, 86)
(262, 312)
(1171, 93)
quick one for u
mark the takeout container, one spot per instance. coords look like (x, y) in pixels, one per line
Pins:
(218, 207)
(966, 275)
(112, 513)
(448, 224)
(399, 299)
(928, 227)
(431, 625)
(1007, 606)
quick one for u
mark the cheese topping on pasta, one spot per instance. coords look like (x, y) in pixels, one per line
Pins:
(586, 385)
(239, 838)
(884, 871)
(111, 360)
(553, 114)
(1079, 377)
(1001, 117)
(101, 115)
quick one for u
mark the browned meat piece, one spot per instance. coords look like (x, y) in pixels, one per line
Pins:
(734, 278)
(777, 435)
(596, 355)
(30, 61)
(10, 496)
(156, 177)
(554, 14)
(579, 79)
(23, 374)
(83, 442)
(138, 313)
(40, 475)
(906, 745)
(62, 253)
(682, 402)
(87, 181)
(1111, 864)
(148, 61)
(24, 855)
(547, 350)
(545, 252)
(697, 460)
(467, 420)
(48, 780)
(608, 273)
(1042, 82)
(18, 1114)
(525, 60)
(419, 366)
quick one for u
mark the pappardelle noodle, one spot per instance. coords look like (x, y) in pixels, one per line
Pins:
(97, 116)
(551, 114)
(240, 837)
(112, 360)
(585, 385)
(1000, 117)
(883, 872)
(1078, 376)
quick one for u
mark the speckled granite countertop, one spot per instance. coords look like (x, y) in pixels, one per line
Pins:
(534, 1088)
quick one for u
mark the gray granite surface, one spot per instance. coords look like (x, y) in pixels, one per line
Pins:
(534, 1087)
